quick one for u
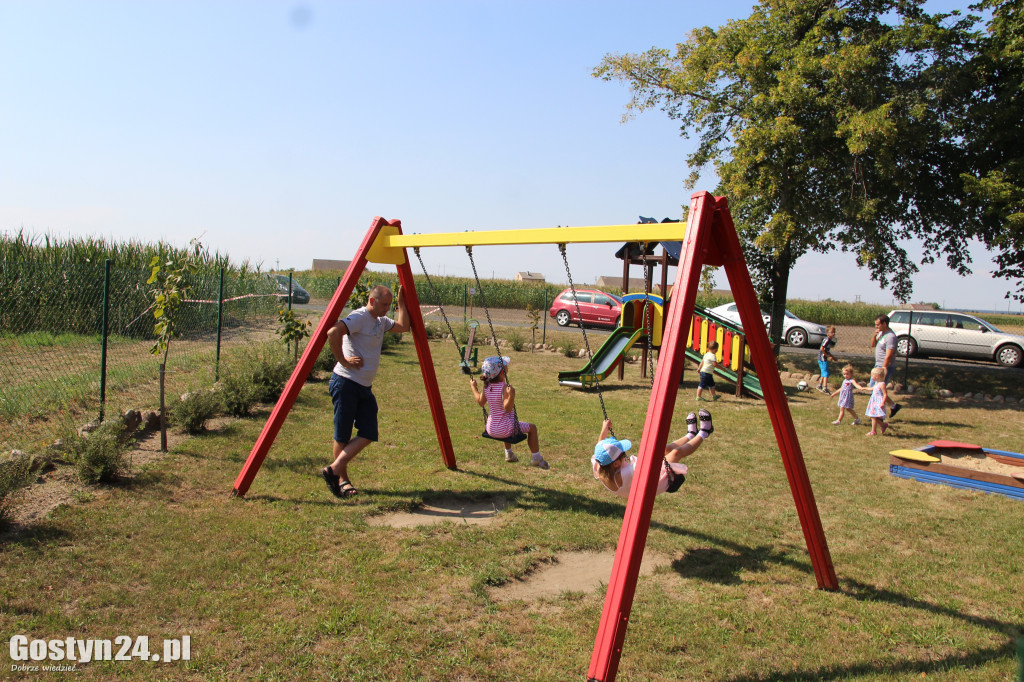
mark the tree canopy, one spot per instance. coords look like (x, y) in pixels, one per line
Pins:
(831, 125)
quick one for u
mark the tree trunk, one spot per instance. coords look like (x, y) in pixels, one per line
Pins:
(780, 286)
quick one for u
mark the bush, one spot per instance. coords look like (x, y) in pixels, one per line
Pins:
(269, 371)
(255, 378)
(100, 456)
(15, 472)
(390, 341)
(568, 348)
(515, 338)
(326, 361)
(238, 393)
(194, 409)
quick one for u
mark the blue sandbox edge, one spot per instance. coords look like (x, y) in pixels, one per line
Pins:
(956, 481)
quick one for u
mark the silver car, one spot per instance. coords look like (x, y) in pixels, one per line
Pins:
(795, 331)
(936, 332)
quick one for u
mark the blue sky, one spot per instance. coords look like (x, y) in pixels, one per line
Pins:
(276, 131)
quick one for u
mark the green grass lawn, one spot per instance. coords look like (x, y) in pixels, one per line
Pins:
(290, 583)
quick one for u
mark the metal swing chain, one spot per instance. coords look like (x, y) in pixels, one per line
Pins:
(483, 302)
(437, 300)
(590, 356)
(648, 313)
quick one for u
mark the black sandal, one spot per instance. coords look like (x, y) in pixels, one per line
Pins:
(346, 489)
(332, 480)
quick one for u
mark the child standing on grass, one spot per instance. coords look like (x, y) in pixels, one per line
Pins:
(706, 371)
(500, 398)
(615, 470)
(824, 356)
(846, 396)
(876, 403)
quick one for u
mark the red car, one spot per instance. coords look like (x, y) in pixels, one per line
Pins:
(596, 307)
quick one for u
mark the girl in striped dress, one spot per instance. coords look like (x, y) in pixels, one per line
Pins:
(499, 398)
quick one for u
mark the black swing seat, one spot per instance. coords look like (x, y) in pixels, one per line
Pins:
(512, 439)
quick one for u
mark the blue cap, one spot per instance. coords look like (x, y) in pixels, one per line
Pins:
(609, 450)
(493, 365)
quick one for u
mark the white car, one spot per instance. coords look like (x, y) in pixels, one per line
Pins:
(937, 332)
(795, 331)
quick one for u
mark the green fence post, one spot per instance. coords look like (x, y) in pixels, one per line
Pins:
(465, 298)
(103, 335)
(220, 322)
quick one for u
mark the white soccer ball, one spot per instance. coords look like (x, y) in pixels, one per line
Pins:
(801, 386)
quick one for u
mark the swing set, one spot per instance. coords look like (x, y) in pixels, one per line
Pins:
(708, 239)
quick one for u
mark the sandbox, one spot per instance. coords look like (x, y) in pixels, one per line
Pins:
(962, 465)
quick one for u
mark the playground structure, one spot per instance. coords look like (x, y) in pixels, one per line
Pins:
(943, 462)
(708, 239)
(705, 327)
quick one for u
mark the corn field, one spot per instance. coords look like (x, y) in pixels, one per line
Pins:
(76, 328)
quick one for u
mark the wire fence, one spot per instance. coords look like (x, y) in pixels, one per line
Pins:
(75, 341)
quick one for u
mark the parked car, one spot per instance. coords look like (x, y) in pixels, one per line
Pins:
(596, 307)
(795, 332)
(937, 332)
(299, 295)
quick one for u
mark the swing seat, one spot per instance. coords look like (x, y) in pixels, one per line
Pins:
(511, 439)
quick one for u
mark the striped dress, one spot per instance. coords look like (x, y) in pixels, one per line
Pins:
(500, 424)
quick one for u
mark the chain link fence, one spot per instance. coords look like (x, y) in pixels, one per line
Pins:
(75, 342)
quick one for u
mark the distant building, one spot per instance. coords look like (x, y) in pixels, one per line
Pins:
(613, 284)
(320, 264)
(529, 277)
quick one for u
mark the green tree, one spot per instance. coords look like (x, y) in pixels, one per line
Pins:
(994, 129)
(829, 126)
(170, 286)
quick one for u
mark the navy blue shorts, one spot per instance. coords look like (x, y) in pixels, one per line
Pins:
(707, 380)
(353, 404)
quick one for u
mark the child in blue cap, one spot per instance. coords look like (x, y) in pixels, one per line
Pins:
(615, 470)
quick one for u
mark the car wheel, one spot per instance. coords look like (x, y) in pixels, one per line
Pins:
(906, 346)
(562, 318)
(796, 337)
(1010, 356)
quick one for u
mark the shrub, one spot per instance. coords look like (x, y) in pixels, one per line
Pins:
(195, 409)
(15, 472)
(567, 348)
(269, 371)
(515, 338)
(100, 456)
(326, 361)
(390, 341)
(238, 393)
(435, 330)
(258, 377)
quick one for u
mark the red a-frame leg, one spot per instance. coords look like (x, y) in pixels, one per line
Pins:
(316, 344)
(708, 219)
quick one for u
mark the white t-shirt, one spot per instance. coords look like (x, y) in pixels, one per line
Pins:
(365, 337)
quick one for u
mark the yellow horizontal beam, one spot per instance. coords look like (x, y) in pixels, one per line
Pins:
(652, 232)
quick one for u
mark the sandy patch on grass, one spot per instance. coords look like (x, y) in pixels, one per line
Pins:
(439, 511)
(570, 572)
(62, 485)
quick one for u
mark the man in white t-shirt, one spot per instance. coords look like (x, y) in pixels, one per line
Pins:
(356, 342)
(884, 343)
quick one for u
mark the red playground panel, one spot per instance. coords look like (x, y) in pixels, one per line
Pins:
(954, 444)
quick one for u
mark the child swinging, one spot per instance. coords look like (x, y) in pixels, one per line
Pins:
(500, 398)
